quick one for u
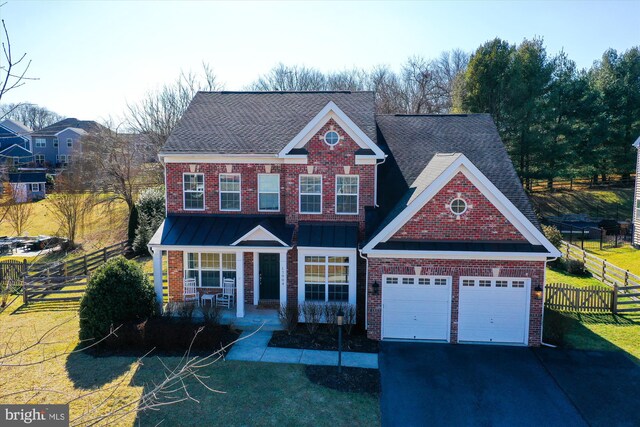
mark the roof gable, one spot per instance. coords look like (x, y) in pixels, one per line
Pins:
(331, 112)
(16, 151)
(637, 143)
(432, 182)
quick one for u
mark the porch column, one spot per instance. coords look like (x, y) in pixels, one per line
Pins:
(157, 277)
(283, 278)
(239, 284)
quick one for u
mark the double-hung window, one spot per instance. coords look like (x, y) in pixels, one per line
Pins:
(35, 187)
(326, 278)
(41, 142)
(229, 192)
(69, 142)
(347, 194)
(311, 194)
(210, 269)
(39, 158)
(193, 191)
(62, 158)
(55, 142)
(269, 192)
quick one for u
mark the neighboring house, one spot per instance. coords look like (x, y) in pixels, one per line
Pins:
(28, 186)
(15, 143)
(142, 145)
(58, 144)
(636, 212)
(419, 221)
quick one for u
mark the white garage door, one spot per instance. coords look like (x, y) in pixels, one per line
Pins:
(493, 310)
(416, 307)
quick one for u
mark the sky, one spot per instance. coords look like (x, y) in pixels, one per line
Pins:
(92, 58)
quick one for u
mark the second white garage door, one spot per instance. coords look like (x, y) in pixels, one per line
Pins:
(416, 307)
(493, 310)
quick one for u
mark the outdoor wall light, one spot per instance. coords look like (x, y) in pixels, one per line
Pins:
(376, 288)
(537, 292)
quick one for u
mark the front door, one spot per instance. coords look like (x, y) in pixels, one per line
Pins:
(269, 276)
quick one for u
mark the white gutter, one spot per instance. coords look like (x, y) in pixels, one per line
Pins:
(366, 291)
(375, 182)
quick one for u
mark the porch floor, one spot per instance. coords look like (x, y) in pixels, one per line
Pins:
(253, 318)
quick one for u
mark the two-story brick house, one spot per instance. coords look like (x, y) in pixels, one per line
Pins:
(419, 221)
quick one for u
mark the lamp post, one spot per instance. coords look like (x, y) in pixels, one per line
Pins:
(339, 320)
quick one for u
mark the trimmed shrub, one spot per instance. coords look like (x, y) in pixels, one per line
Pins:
(118, 292)
(554, 235)
(150, 215)
(577, 268)
(558, 264)
(312, 313)
(133, 225)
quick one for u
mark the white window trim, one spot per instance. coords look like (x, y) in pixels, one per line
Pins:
(230, 192)
(204, 195)
(41, 142)
(69, 142)
(39, 158)
(62, 158)
(37, 186)
(56, 142)
(352, 282)
(300, 194)
(415, 277)
(269, 210)
(185, 263)
(357, 212)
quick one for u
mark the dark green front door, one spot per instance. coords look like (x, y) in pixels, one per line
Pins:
(269, 276)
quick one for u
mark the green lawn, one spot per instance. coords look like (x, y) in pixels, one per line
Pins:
(604, 332)
(253, 393)
(612, 203)
(625, 257)
(554, 276)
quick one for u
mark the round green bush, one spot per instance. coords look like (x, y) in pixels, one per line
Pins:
(118, 292)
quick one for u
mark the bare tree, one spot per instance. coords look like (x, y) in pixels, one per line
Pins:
(114, 163)
(290, 78)
(31, 115)
(71, 203)
(157, 114)
(14, 69)
(17, 213)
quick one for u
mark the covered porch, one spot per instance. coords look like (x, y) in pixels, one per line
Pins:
(205, 254)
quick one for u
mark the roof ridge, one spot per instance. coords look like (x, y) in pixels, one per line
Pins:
(281, 92)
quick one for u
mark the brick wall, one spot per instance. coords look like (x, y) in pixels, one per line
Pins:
(322, 160)
(455, 268)
(481, 221)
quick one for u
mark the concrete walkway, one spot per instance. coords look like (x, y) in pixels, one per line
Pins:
(255, 348)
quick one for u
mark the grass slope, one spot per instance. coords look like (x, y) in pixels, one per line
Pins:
(612, 203)
(252, 393)
(625, 257)
(554, 276)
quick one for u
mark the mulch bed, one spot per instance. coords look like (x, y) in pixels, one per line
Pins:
(323, 340)
(352, 380)
(167, 337)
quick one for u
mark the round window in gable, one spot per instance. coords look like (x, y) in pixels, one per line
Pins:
(331, 138)
(458, 206)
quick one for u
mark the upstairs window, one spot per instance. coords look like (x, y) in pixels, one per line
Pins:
(69, 142)
(55, 142)
(41, 142)
(269, 192)
(347, 194)
(193, 191)
(229, 192)
(311, 194)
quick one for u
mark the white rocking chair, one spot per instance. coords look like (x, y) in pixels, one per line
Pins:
(190, 292)
(227, 297)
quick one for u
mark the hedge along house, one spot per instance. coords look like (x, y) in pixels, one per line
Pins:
(418, 221)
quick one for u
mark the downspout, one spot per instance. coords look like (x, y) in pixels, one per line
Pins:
(366, 290)
(544, 295)
(375, 182)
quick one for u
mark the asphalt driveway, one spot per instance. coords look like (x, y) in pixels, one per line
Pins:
(443, 384)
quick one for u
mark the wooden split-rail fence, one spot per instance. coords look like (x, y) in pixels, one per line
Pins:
(622, 297)
(64, 281)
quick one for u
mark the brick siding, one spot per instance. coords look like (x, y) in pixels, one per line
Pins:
(481, 221)
(455, 268)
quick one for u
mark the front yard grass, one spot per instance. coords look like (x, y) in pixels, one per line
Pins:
(252, 393)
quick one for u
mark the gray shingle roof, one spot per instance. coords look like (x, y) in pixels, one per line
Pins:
(28, 177)
(413, 140)
(85, 125)
(260, 122)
